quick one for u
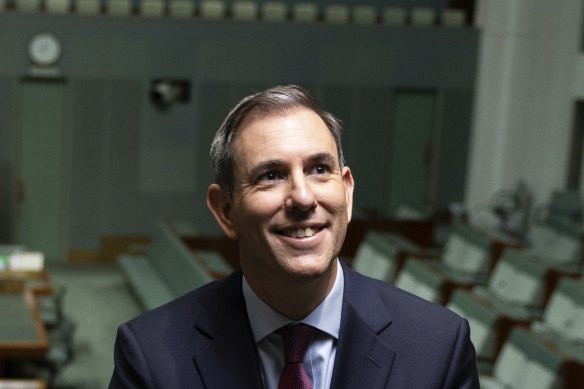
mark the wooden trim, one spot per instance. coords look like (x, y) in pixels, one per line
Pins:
(79, 256)
(18, 281)
(114, 245)
(33, 304)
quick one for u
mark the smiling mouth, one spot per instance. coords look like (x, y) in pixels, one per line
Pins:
(301, 232)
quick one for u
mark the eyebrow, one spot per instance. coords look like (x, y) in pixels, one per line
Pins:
(275, 164)
(326, 158)
(266, 166)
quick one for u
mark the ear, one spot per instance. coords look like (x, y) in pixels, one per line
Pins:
(349, 184)
(219, 202)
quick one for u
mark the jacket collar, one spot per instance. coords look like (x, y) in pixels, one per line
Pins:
(226, 353)
(364, 359)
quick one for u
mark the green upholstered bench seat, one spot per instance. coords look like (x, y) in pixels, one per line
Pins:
(146, 283)
(171, 268)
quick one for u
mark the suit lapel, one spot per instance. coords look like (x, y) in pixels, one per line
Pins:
(226, 355)
(363, 359)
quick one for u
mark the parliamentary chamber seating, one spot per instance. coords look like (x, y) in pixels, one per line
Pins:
(527, 361)
(249, 10)
(467, 259)
(558, 242)
(513, 295)
(173, 265)
(517, 293)
(523, 310)
(382, 255)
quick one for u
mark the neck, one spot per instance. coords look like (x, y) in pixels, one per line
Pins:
(295, 297)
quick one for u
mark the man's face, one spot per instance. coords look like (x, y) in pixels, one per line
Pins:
(291, 201)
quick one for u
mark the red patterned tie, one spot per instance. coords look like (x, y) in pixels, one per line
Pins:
(296, 339)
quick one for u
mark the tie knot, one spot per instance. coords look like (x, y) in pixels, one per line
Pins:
(296, 339)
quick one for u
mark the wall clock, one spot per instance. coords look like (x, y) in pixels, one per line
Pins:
(44, 49)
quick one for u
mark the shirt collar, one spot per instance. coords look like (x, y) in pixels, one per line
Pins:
(326, 317)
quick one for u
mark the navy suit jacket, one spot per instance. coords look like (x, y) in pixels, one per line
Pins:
(388, 339)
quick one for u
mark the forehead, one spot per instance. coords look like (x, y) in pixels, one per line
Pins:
(277, 135)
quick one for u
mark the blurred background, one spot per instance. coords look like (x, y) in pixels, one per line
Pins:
(454, 112)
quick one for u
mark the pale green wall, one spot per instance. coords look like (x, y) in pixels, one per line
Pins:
(132, 164)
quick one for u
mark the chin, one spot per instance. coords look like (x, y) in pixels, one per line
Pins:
(309, 267)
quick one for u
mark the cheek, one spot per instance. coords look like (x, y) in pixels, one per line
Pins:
(334, 198)
(256, 209)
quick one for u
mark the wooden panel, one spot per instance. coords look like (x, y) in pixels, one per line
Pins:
(114, 245)
(17, 282)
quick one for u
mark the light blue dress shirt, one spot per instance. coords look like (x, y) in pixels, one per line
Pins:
(320, 356)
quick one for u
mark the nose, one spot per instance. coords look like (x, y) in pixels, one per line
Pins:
(299, 196)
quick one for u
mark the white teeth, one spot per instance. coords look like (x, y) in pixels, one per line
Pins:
(301, 233)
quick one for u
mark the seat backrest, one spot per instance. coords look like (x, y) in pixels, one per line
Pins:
(336, 14)
(304, 12)
(181, 8)
(467, 250)
(564, 313)
(567, 250)
(501, 278)
(212, 9)
(420, 279)
(88, 7)
(576, 332)
(57, 6)
(518, 279)
(512, 363)
(453, 18)
(394, 16)
(526, 362)
(422, 16)
(541, 237)
(410, 211)
(152, 8)
(244, 10)
(364, 14)
(567, 204)
(530, 280)
(214, 262)
(119, 7)
(175, 262)
(558, 241)
(544, 367)
(481, 319)
(27, 5)
(274, 11)
(376, 257)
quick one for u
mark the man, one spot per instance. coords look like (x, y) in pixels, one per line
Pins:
(283, 192)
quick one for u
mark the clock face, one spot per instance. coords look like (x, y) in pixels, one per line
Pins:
(44, 49)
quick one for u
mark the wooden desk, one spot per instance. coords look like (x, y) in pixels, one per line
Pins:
(18, 281)
(22, 333)
(22, 384)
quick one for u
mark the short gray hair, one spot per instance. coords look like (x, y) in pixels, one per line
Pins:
(278, 100)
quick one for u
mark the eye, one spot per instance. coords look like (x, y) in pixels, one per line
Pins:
(321, 169)
(268, 176)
